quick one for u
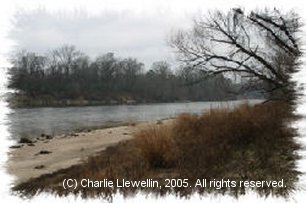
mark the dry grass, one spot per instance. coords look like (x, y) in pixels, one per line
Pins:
(247, 143)
(157, 145)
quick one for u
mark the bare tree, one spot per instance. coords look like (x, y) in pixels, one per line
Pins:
(27, 71)
(261, 47)
(64, 58)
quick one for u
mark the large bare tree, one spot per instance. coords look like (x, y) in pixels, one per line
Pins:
(261, 47)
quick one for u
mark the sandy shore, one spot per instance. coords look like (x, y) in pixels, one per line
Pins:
(49, 155)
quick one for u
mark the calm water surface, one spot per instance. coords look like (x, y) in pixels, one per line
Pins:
(32, 122)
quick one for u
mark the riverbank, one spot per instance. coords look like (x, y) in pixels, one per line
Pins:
(247, 143)
(49, 154)
(24, 101)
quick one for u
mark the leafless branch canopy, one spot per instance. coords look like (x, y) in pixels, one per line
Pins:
(258, 46)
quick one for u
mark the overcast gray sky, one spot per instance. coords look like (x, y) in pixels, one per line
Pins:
(127, 34)
(132, 28)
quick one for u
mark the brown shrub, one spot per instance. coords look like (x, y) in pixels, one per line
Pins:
(247, 143)
(158, 146)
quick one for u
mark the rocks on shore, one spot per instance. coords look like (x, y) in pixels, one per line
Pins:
(43, 152)
(48, 137)
(25, 140)
(39, 167)
(74, 135)
(16, 146)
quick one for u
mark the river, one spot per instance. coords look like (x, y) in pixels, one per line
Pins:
(32, 122)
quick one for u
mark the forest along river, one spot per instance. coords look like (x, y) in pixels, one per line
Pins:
(32, 122)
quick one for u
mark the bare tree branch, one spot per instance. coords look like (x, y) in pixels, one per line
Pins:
(234, 43)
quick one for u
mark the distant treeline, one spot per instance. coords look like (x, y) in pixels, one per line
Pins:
(68, 74)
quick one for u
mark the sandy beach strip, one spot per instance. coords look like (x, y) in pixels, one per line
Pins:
(49, 155)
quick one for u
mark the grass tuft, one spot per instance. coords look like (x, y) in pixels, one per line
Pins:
(157, 145)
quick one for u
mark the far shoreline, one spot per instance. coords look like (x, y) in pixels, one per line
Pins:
(18, 101)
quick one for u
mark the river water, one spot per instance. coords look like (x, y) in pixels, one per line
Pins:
(32, 122)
